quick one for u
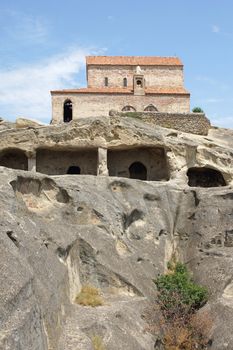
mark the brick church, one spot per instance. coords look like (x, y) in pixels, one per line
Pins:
(124, 83)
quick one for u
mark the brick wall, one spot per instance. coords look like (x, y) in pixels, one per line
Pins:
(154, 75)
(91, 105)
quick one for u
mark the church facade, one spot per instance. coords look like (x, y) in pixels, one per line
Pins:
(125, 84)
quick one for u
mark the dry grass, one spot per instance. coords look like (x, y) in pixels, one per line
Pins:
(187, 332)
(89, 296)
(97, 343)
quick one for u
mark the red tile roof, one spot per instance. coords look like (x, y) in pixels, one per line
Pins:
(133, 61)
(118, 90)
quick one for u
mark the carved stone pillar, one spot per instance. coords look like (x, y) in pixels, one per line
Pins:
(31, 161)
(102, 162)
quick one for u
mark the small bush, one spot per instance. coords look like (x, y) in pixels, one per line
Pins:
(89, 296)
(178, 293)
(197, 110)
(175, 314)
(97, 343)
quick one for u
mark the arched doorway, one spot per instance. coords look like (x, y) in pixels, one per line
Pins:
(205, 177)
(67, 111)
(138, 171)
(74, 170)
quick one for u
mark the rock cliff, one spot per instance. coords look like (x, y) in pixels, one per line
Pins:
(58, 233)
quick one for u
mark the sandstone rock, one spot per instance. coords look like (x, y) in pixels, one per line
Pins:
(27, 123)
(58, 233)
(183, 150)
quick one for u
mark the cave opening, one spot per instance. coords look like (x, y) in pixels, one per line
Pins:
(14, 159)
(138, 171)
(205, 177)
(74, 170)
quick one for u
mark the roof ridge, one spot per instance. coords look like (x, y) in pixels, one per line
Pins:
(131, 56)
(134, 60)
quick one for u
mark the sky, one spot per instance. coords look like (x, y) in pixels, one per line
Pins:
(43, 45)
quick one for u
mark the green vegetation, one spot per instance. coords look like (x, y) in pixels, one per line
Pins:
(137, 115)
(177, 313)
(197, 110)
(97, 343)
(178, 291)
(89, 296)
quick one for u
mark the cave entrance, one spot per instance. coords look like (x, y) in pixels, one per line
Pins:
(61, 162)
(74, 170)
(138, 171)
(14, 158)
(205, 177)
(144, 163)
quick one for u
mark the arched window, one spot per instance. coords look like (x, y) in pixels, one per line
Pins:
(138, 171)
(105, 81)
(205, 177)
(150, 108)
(128, 109)
(125, 82)
(74, 170)
(67, 111)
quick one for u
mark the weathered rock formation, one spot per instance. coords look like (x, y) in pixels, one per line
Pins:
(60, 232)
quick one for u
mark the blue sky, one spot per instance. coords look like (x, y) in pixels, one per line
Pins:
(44, 43)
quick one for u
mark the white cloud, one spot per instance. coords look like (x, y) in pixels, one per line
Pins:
(215, 28)
(25, 91)
(25, 27)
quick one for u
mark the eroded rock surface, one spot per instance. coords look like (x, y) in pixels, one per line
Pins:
(181, 150)
(58, 233)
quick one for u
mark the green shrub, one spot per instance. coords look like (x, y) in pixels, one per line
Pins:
(197, 110)
(175, 315)
(177, 291)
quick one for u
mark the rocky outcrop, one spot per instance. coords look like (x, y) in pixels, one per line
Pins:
(26, 123)
(182, 150)
(59, 233)
(117, 234)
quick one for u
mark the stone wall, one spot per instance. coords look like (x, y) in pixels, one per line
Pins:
(89, 105)
(54, 162)
(195, 123)
(153, 159)
(154, 75)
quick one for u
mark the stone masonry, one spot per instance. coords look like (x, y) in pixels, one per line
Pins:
(124, 83)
